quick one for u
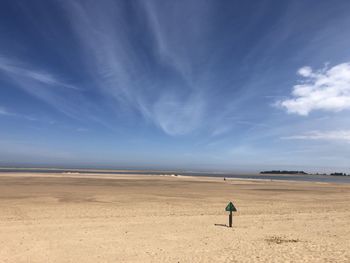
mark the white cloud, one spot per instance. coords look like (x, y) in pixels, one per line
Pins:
(326, 89)
(339, 135)
(305, 71)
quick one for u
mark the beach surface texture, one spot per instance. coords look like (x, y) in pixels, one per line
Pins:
(142, 218)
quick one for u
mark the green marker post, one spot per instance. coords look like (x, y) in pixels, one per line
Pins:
(230, 208)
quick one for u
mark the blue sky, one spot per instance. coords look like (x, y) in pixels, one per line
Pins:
(205, 85)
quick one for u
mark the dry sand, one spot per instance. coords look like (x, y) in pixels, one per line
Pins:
(116, 218)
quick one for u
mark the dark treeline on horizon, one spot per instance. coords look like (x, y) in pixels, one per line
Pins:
(282, 172)
(299, 172)
(340, 174)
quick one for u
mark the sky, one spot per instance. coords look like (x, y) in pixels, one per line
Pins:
(189, 85)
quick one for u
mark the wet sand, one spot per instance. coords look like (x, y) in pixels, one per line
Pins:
(126, 218)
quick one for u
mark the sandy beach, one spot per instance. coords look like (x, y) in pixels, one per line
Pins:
(134, 218)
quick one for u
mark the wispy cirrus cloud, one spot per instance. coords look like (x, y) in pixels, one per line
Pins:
(325, 89)
(335, 135)
(151, 66)
(40, 84)
(16, 69)
(5, 112)
(122, 71)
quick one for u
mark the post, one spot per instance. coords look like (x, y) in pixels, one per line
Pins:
(230, 219)
(230, 208)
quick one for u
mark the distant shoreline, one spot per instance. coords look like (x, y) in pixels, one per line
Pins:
(252, 176)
